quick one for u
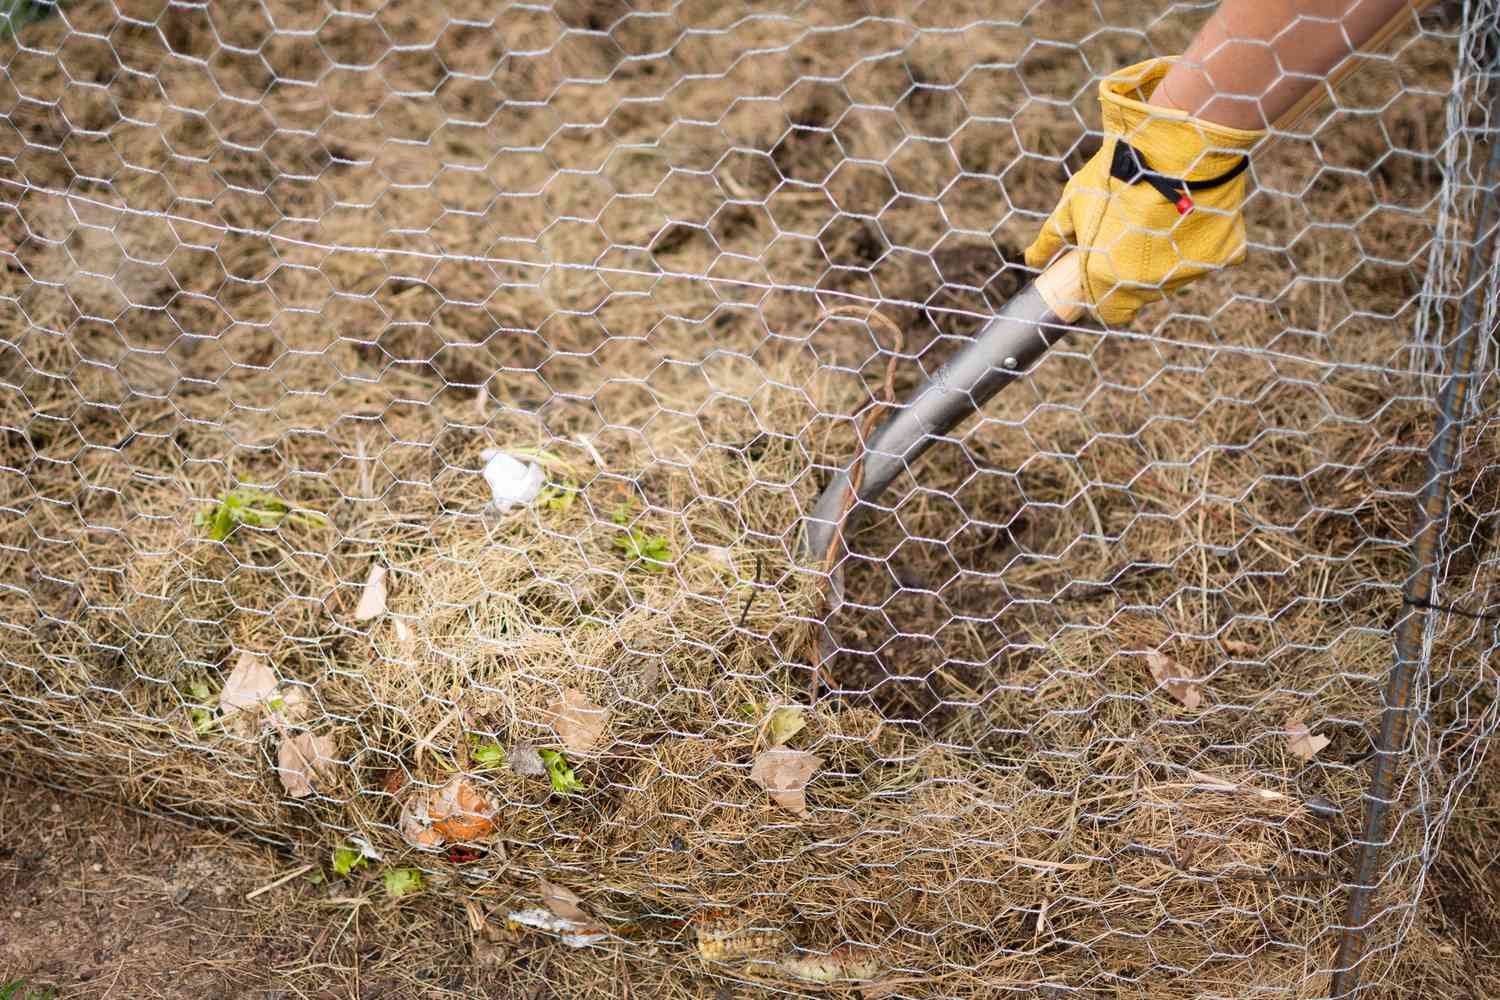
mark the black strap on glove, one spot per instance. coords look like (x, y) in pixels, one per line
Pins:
(1130, 166)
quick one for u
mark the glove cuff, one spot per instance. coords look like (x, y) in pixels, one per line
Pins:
(1172, 141)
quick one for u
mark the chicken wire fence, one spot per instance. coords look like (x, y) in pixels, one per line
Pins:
(411, 413)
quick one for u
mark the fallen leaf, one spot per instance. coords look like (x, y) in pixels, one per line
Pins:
(1300, 740)
(403, 630)
(579, 722)
(1235, 647)
(372, 600)
(843, 962)
(563, 902)
(253, 699)
(251, 683)
(402, 882)
(650, 675)
(786, 722)
(559, 772)
(1180, 684)
(491, 956)
(301, 760)
(785, 774)
(525, 761)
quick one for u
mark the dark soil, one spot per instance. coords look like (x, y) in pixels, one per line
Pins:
(101, 901)
(106, 903)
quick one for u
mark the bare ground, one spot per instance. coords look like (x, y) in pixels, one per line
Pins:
(102, 901)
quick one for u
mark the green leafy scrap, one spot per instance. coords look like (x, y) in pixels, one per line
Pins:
(255, 508)
(558, 497)
(201, 714)
(15, 15)
(346, 859)
(559, 772)
(402, 882)
(652, 553)
(785, 723)
(487, 755)
(16, 989)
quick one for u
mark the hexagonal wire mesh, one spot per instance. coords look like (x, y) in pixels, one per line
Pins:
(1094, 704)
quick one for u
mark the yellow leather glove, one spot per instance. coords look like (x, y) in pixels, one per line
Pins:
(1141, 239)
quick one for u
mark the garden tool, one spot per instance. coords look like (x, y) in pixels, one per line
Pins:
(1035, 319)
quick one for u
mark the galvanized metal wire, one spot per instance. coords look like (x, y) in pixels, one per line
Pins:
(1095, 698)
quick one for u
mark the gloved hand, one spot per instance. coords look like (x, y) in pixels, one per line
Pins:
(1143, 238)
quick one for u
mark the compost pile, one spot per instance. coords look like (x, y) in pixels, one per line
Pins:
(280, 282)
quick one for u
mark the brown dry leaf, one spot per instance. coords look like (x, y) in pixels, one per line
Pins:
(372, 600)
(1300, 740)
(491, 955)
(1235, 647)
(251, 683)
(1180, 684)
(252, 698)
(564, 903)
(785, 774)
(579, 722)
(303, 759)
(650, 675)
(286, 706)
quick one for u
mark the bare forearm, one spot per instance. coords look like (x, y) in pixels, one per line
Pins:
(1254, 59)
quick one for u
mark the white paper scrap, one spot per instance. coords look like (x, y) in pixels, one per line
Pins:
(512, 482)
